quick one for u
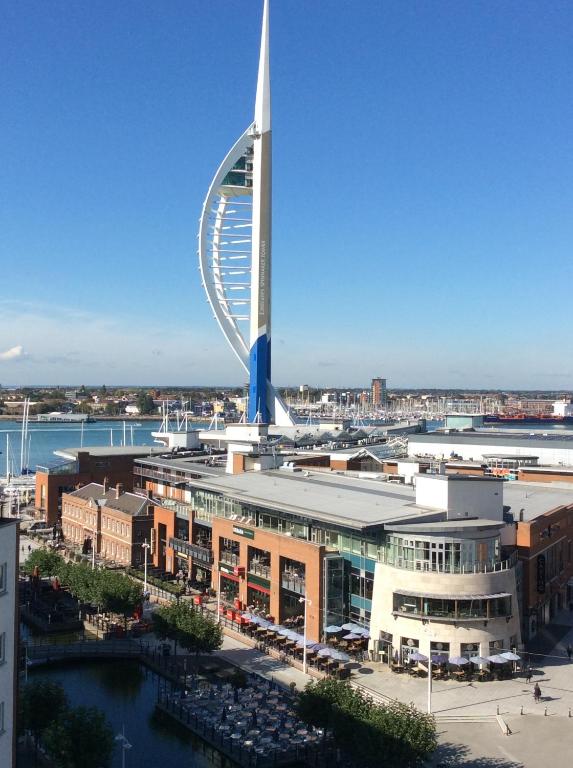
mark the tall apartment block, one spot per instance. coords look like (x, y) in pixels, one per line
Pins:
(379, 395)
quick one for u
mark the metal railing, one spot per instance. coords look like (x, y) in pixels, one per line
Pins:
(293, 583)
(66, 468)
(201, 554)
(260, 570)
(228, 557)
(425, 566)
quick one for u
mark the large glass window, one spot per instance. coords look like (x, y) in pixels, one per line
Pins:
(260, 562)
(437, 554)
(258, 599)
(472, 609)
(229, 551)
(229, 589)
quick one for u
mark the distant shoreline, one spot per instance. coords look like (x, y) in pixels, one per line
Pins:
(127, 419)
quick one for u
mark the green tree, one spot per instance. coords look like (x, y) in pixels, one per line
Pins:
(193, 630)
(48, 563)
(120, 594)
(82, 739)
(111, 409)
(42, 703)
(145, 403)
(401, 733)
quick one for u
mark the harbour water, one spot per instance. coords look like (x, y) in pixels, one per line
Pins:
(45, 438)
(127, 692)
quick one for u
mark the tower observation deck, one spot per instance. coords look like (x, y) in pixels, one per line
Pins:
(235, 237)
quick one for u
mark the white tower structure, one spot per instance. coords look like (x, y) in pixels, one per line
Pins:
(235, 238)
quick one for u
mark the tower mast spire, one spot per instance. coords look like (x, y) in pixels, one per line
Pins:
(260, 326)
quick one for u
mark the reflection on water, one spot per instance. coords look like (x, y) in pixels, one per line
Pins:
(126, 692)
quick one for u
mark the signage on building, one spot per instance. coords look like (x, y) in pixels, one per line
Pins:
(541, 574)
(226, 569)
(246, 532)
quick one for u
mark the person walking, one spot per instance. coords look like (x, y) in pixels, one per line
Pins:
(569, 651)
(528, 675)
(536, 693)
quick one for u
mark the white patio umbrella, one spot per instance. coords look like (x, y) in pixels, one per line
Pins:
(339, 656)
(497, 659)
(478, 660)
(510, 656)
(333, 629)
(326, 651)
(458, 661)
(350, 627)
(352, 636)
(417, 656)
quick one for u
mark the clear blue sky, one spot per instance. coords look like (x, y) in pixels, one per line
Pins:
(423, 204)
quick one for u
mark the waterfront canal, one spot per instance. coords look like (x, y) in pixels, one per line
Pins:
(126, 692)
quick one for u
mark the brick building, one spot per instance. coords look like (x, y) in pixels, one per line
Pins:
(544, 539)
(119, 522)
(80, 466)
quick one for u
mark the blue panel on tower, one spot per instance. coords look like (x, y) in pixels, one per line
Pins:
(259, 364)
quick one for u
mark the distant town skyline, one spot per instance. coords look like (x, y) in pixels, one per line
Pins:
(422, 196)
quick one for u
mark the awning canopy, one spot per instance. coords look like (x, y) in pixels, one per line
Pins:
(442, 596)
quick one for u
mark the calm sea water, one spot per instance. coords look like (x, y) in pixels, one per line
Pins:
(45, 438)
(126, 692)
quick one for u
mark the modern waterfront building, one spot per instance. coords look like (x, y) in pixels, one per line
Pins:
(397, 559)
(551, 448)
(9, 549)
(235, 251)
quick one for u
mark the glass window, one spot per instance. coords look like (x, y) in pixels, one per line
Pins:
(472, 609)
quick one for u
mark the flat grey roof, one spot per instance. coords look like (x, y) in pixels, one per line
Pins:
(449, 526)
(110, 450)
(328, 497)
(535, 499)
(485, 438)
(349, 501)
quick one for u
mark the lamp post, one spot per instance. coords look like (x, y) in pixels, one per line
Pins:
(430, 683)
(94, 539)
(306, 602)
(218, 596)
(124, 743)
(146, 547)
(431, 634)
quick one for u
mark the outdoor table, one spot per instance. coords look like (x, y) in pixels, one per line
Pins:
(397, 667)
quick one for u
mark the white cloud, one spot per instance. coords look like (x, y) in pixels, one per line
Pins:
(12, 353)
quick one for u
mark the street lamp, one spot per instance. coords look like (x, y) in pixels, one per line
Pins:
(306, 602)
(219, 596)
(146, 547)
(94, 539)
(125, 745)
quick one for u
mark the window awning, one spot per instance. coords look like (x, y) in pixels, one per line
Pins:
(442, 596)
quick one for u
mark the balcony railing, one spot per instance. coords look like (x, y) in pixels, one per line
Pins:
(489, 566)
(293, 582)
(260, 570)
(66, 468)
(201, 554)
(228, 557)
(166, 475)
(448, 615)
